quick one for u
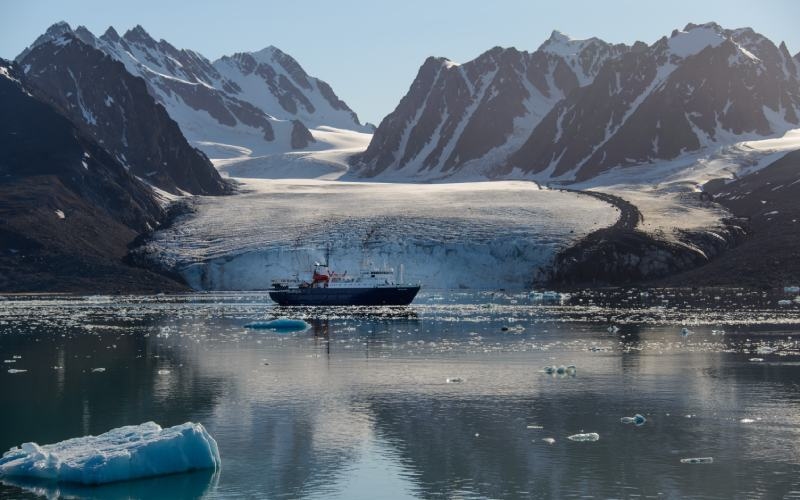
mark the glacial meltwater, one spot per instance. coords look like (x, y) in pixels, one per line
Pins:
(460, 395)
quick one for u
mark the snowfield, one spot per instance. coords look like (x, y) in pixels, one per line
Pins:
(325, 159)
(468, 235)
(667, 192)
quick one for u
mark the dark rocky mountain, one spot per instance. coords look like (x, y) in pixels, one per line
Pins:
(461, 118)
(68, 209)
(256, 101)
(704, 85)
(106, 102)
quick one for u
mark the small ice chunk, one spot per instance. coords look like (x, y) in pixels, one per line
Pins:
(454, 380)
(16, 370)
(163, 372)
(534, 427)
(60, 214)
(549, 440)
(791, 289)
(756, 360)
(685, 332)
(698, 460)
(129, 452)
(784, 303)
(9, 361)
(586, 436)
(98, 370)
(280, 325)
(637, 419)
(747, 420)
(613, 329)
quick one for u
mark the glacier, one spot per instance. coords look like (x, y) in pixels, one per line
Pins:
(130, 452)
(478, 235)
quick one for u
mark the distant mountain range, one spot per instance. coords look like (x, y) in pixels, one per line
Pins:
(576, 108)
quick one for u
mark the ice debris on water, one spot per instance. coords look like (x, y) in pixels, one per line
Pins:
(698, 460)
(791, 289)
(280, 325)
(98, 370)
(637, 419)
(129, 452)
(163, 372)
(454, 380)
(586, 436)
(561, 370)
(549, 440)
(784, 303)
(16, 370)
(747, 420)
(613, 329)
(685, 332)
(756, 360)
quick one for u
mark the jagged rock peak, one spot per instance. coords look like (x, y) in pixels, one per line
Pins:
(111, 35)
(137, 34)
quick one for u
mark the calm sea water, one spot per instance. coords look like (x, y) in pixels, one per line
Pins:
(360, 406)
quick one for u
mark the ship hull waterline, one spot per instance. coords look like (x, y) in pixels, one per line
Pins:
(381, 296)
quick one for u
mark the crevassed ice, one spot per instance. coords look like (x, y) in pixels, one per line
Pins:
(129, 452)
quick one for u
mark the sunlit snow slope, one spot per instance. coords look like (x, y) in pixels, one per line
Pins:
(473, 235)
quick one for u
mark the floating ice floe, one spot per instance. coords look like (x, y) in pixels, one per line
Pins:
(756, 360)
(280, 325)
(784, 303)
(685, 332)
(586, 436)
(549, 440)
(791, 289)
(613, 329)
(698, 460)
(637, 419)
(16, 370)
(98, 370)
(130, 452)
(454, 380)
(548, 296)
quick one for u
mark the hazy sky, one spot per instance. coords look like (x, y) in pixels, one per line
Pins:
(369, 51)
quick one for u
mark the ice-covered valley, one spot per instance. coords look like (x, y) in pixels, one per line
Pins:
(466, 235)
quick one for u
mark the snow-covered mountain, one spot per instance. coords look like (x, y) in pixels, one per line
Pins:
(574, 109)
(702, 86)
(460, 118)
(263, 102)
(107, 103)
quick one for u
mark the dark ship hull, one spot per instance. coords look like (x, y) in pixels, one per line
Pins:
(355, 296)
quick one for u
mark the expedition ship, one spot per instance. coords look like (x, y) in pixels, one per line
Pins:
(327, 288)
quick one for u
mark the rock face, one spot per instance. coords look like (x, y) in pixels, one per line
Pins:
(256, 101)
(109, 104)
(575, 109)
(68, 209)
(465, 119)
(703, 85)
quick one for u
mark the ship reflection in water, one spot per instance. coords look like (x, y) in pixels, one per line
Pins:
(433, 401)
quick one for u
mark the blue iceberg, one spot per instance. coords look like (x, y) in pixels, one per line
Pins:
(130, 452)
(280, 325)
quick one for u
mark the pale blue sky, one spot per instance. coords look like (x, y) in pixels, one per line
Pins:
(369, 51)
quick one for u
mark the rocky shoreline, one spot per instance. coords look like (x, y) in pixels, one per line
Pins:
(623, 255)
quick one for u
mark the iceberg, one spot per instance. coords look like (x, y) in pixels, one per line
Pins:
(130, 452)
(280, 325)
